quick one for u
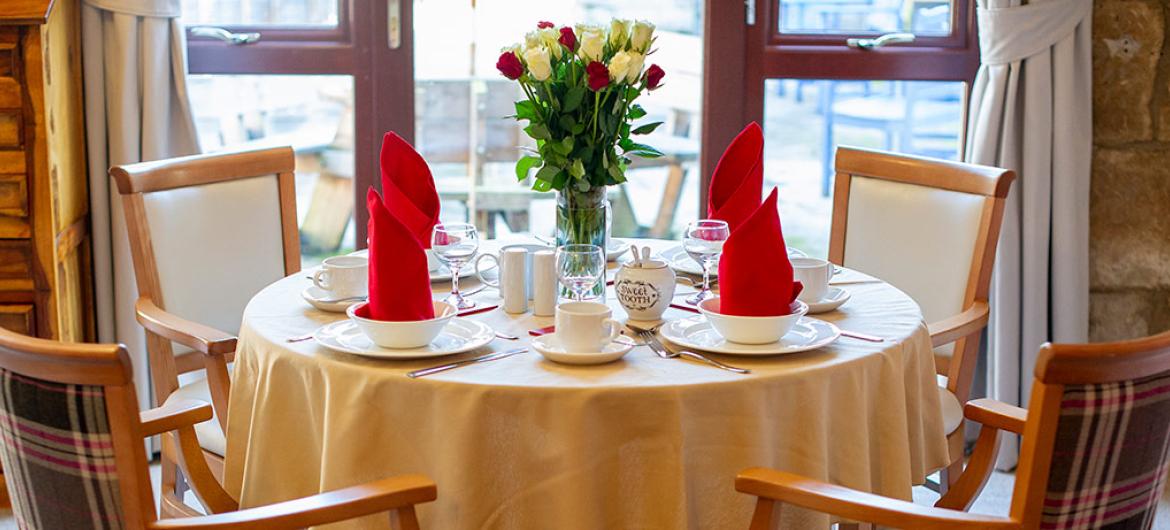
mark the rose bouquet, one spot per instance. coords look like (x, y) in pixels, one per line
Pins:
(580, 85)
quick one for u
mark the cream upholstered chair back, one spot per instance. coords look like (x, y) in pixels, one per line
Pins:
(208, 232)
(919, 238)
(930, 228)
(215, 246)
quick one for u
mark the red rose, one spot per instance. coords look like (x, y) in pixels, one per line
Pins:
(654, 76)
(568, 38)
(598, 76)
(544, 24)
(510, 66)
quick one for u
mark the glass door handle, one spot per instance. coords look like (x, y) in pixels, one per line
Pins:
(888, 38)
(225, 35)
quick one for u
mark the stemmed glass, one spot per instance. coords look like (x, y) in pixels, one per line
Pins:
(704, 243)
(579, 268)
(455, 244)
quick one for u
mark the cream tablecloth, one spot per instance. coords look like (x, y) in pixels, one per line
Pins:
(523, 443)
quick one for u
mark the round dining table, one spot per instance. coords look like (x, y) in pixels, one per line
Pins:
(524, 443)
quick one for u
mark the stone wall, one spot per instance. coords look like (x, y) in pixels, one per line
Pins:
(1130, 201)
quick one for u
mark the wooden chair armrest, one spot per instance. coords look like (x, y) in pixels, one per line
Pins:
(173, 415)
(998, 414)
(358, 501)
(204, 339)
(855, 505)
(954, 328)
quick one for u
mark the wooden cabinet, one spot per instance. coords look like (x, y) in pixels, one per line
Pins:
(45, 263)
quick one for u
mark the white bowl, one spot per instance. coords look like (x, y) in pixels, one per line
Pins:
(751, 330)
(404, 334)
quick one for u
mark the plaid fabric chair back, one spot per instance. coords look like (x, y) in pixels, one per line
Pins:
(58, 454)
(1109, 460)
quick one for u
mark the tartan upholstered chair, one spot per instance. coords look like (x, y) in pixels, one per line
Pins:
(1096, 438)
(71, 441)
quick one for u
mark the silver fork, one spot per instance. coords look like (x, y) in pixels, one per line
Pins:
(651, 339)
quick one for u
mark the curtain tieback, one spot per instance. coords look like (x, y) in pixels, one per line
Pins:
(1010, 34)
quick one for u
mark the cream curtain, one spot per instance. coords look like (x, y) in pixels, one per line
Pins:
(136, 109)
(1030, 111)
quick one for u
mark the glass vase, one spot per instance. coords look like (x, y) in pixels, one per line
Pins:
(582, 220)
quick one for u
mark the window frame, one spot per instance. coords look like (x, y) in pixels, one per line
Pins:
(749, 53)
(357, 47)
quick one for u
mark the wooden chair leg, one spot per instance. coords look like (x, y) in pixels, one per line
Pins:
(403, 519)
(766, 509)
(956, 444)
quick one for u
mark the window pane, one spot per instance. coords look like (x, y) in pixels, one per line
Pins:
(461, 103)
(805, 120)
(921, 17)
(260, 12)
(314, 115)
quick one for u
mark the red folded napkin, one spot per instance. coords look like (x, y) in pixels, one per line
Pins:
(755, 276)
(409, 188)
(738, 181)
(400, 284)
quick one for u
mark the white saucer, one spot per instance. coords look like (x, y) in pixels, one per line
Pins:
(617, 247)
(551, 349)
(442, 274)
(696, 333)
(317, 297)
(680, 261)
(460, 335)
(833, 299)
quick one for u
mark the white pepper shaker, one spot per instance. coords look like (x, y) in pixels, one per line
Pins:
(544, 283)
(513, 279)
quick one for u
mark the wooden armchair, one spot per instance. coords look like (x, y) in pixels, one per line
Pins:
(929, 227)
(1094, 453)
(207, 233)
(72, 440)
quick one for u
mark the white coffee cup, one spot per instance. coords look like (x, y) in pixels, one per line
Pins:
(815, 275)
(586, 327)
(505, 275)
(343, 276)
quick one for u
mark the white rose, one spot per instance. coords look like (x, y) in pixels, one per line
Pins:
(532, 40)
(619, 65)
(592, 44)
(619, 33)
(515, 49)
(643, 36)
(550, 37)
(538, 64)
(635, 70)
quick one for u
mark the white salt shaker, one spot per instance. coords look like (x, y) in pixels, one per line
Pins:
(513, 276)
(544, 283)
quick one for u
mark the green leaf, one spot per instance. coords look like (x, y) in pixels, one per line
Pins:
(579, 128)
(615, 171)
(567, 122)
(573, 99)
(559, 180)
(547, 172)
(636, 111)
(646, 129)
(524, 165)
(637, 148)
(577, 169)
(583, 185)
(542, 185)
(645, 154)
(525, 110)
(538, 131)
(566, 145)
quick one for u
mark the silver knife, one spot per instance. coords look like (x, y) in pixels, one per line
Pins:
(451, 366)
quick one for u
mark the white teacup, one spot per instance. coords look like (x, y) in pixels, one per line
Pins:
(586, 327)
(815, 275)
(343, 276)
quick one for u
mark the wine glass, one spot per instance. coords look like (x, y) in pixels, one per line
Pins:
(455, 244)
(704, 243)
(580, 268)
